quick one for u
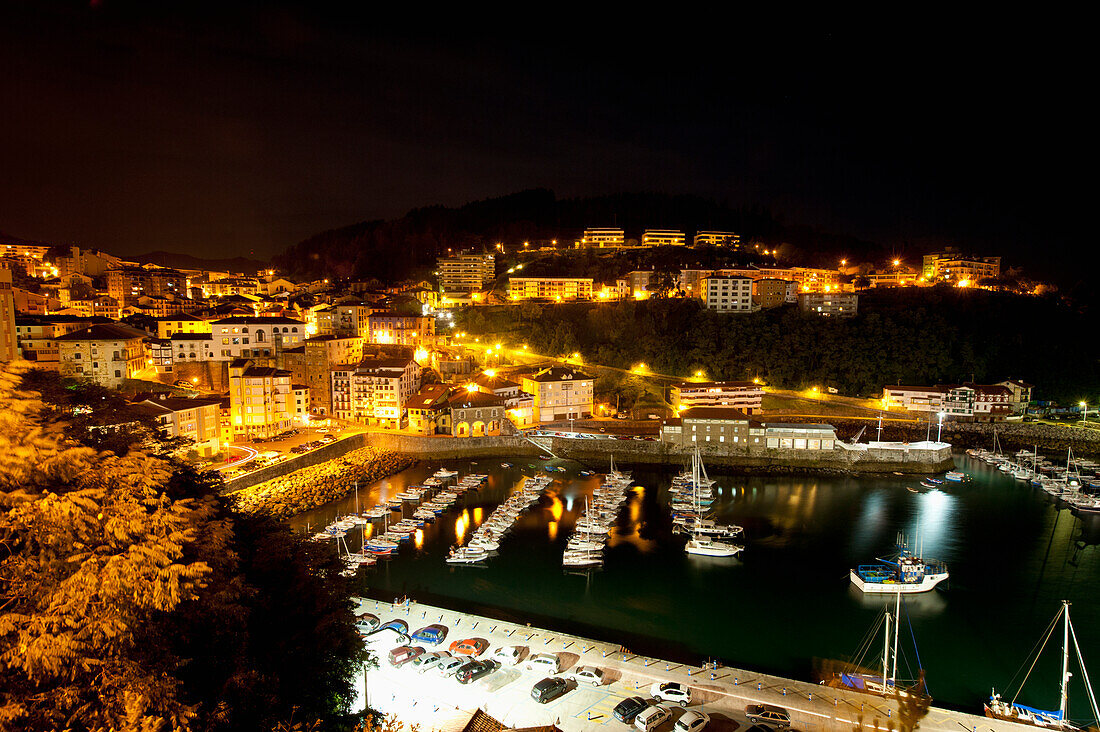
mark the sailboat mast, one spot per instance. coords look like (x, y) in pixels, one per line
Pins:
(886, 655)
(897, 626)
(1065, 662)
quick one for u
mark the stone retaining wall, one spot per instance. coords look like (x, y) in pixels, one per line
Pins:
(323, 454)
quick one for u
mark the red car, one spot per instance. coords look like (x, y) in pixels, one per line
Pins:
(469, 647)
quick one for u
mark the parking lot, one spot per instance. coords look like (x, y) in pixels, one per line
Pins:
(433, 702)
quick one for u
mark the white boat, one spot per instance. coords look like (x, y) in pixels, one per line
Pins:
(906, 574)
(467, 555)
(706, 547)
(955, 476)
(1010, 711)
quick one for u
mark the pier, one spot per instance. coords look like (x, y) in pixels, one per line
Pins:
(722, 692)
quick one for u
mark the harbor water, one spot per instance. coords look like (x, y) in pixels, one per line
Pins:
(785, 605)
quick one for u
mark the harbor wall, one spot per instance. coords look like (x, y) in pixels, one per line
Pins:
(322, 454)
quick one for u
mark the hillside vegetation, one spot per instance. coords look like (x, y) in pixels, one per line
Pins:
(911, 336)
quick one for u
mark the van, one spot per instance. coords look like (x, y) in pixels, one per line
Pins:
(404, 654)
(652, 718)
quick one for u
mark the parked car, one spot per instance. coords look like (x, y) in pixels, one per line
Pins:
(399, 625)
(629, 708)
(432, 634)
(507, 655)
(692, 721)
(328, 438)
(474, 670)
(429, 660)
(366, 624)
(469, 647)
(652, 718)
(549, 688)
(586, 675)
(385, 638)
(671, 691)
(768, 714)
(449, 666)
(403, 654)
(544, 662)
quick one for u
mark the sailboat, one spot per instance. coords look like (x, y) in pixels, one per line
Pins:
(908, 573)
(997, 708)
(587, 555)
(701, 544)
(885, 684)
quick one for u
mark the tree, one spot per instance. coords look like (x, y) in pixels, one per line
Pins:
(95, 551)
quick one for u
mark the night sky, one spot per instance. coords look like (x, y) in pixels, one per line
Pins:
(219, 132)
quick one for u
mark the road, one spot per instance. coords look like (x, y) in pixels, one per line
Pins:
(437, 703)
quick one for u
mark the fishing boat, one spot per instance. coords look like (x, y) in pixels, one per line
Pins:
(1010, 711)
(906, 574)
(928, 484)
(955, 476)
(857, 678)
(467, 555)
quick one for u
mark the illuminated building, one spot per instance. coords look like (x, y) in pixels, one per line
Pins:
(465, 273)
(197, 420)
(603, 238)
(474, 414)
(256, 337)
(717, 239)
(745, 396)
(181, 323)
(663, 238)
(769, 292)
(964, 402)
(427, 408)
(728, 294)
(560, 393)
(9, 348)
(402, 330)
(829, 304)
(951, 264)
(375, 391)
(107, 353)
(127, 284)
(260, 400)
(550, 288)
(311, 364)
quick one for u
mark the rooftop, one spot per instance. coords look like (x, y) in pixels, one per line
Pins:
(104, 332)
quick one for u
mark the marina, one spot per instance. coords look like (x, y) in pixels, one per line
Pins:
(786, 601)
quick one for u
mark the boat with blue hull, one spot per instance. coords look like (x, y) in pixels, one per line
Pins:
(906, 574)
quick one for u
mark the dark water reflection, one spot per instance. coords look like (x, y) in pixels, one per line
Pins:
(786, 600)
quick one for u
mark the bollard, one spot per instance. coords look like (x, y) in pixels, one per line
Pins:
(712, 676)
(784, 691)
(758, 687)
(605, 654)
(836, 702)
(736, 681)
(636, 687)
(810, 696)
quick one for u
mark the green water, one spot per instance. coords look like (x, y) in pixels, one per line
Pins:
(786, 601)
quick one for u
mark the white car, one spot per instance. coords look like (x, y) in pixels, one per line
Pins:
(691, 721)
(430, 660)
(546, 663)
(652, 718)
(507, 655)
(587, 675)
(385, 638)
(448, 667)
(671, 691)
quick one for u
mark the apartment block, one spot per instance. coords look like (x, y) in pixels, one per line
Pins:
(197, 420)
(964, 402)
(465, 273)
(745, 396)
(701, 425)
(718, 239)
(375, 391)
(550, 288)
(603, 238)
(559, 393)
(319, 355)
(403, 330)
(770, 293)
(127, 284)
(728, 294)
(829, 304)
(181, 323)
(953, 265)
(663, 238)
(255, 336)
(9, 347)
(260, 400)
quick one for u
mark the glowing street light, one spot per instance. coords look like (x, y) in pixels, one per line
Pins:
(471, 388)
(1084, 411)
(939, 428)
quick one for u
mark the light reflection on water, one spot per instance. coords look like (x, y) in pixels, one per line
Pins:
(1013, 555)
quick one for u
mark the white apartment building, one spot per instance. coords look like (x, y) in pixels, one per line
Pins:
(745, 396)
(829, 304)
(255, 336)
(260, 400)
(663, 238)
(717, 239)
(979, 402)
(602, 238)
(375, 391)
(728, 294)
(198, 420)
(560, 393)
(550, 288)
(465, 273)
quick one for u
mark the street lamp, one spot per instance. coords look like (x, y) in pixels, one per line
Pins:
(939, 429)
(1084, 411)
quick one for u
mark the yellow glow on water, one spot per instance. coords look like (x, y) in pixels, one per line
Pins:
(461, 525)
(477, 515)
(552, 529)
(418, 538)
(368, 531)
(556, 508)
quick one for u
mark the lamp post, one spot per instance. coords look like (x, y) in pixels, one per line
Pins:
(939, 428)
(1084, 411)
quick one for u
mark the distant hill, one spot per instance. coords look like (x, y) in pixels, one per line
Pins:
(186, 261)
(400, 248)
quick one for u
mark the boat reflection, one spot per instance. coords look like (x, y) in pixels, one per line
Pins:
(922, 604)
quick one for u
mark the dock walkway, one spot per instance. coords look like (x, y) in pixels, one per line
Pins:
(723, 692)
